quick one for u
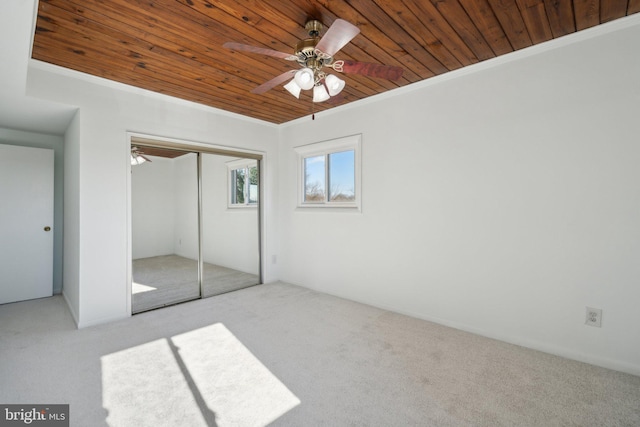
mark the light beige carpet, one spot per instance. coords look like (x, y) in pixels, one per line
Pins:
(283, 355)
(170, 279)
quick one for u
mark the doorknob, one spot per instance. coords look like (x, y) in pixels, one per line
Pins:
(47, 228)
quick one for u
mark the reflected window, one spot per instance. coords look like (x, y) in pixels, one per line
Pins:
(243, 183)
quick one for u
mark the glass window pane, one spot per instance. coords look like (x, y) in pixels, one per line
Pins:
(314, 179)
(342, 178)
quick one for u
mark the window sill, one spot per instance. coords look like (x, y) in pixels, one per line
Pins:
(346, 208)
(241, 207)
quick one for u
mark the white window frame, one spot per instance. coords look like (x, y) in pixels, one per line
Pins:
(325, 148)
(232, 166)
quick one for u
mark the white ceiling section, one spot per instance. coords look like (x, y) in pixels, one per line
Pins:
(17, 110)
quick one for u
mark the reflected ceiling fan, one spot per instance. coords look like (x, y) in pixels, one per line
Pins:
(137, 158)
(315, 53)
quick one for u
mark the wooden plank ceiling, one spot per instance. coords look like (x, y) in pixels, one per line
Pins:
(175, 46)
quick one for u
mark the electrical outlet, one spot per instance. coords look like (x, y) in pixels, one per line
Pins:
(594, 317)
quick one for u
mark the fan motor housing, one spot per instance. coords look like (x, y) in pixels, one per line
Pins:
(313, 27)
(307, 55)
(306, 49)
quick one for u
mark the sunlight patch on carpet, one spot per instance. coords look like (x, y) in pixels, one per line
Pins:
(233, 382)
(200, 378)
(144, 386)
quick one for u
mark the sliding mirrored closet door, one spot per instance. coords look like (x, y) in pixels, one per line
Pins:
(195, 225)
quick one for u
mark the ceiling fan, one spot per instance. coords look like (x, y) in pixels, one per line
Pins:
(315, 53)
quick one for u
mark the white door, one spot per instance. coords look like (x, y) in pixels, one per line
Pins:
(26, 223)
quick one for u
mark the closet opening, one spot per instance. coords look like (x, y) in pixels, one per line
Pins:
(195, 222)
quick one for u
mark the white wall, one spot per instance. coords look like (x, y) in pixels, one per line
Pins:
(185, 208)
(152, 208)
(107, 112)
(502, 199)
(72, 250)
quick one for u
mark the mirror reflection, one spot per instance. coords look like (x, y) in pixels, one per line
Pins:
(165, 226)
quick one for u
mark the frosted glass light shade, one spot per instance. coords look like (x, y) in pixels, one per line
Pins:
(293, 88)
(334, 84)
(320, 93)
(304, 78)
(137, 160)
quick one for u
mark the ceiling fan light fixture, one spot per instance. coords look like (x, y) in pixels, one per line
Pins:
(305, 78)
(137, 158)
(334, 84)
(320, 93)
(293, 88)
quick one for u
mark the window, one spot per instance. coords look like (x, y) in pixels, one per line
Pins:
(243, 183)
(330, 173)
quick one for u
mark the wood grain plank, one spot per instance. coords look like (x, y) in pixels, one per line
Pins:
(612, 9)
(405, 18)
(561, 19)
(587, 13)
(98, 30)
(512, 23)
(457, 17)
(379, 18)
(633, 7)
(282, 35)
(138, 26)
(442, 30)
(485, 20)
(535, 18)
(206, 39)
(373, 39)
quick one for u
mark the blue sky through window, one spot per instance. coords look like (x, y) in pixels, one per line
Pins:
(314, 179)
(342, 175)
(340, 182)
